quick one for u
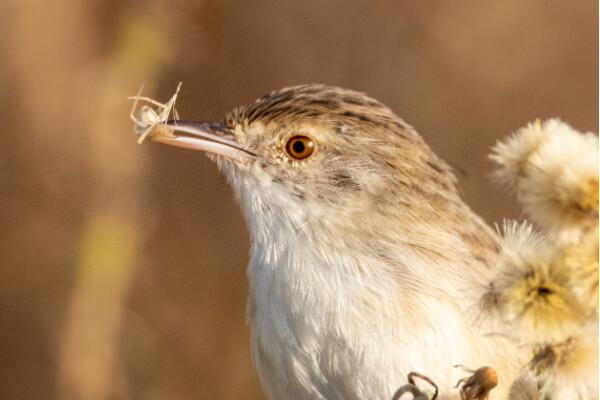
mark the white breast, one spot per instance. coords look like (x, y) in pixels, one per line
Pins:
(324, 328)
(329, 321)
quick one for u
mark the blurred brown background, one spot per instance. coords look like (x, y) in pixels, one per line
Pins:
(123, 266)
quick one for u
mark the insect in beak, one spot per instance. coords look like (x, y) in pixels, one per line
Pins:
(154, 123)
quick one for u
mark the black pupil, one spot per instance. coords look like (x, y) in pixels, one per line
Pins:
(298, 146)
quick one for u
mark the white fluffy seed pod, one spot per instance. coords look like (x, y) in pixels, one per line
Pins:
(545, 291)
(513, 153)
(569, 369)
(554, 170)
(534, 299)
(560, 188)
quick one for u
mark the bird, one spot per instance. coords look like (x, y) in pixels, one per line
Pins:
(364, 260)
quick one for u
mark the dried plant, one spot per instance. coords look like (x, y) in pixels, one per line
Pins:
(544, 293)
(479, 385)
(554, 170)
(570, 368)
(533, 288)
(412, 388)
(545, 290)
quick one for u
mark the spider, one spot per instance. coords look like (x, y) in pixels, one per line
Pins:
(149, 118)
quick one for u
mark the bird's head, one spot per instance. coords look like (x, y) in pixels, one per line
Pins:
(323, 155)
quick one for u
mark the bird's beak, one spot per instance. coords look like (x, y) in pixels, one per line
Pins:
(210, 137)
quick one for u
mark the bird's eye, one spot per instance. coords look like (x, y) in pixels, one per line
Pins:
(300, 147)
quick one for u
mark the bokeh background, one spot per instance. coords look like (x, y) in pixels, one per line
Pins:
(123, 266)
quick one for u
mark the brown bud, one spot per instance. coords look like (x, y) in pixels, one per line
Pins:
(478, 385)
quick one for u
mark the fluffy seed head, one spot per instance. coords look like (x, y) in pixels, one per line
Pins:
(534, 296)
(554, 170)
(513, 153)
(570, 368)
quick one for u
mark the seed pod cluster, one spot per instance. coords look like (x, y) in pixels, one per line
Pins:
(545, 288)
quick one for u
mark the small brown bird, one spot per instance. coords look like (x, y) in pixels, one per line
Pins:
(364, 258)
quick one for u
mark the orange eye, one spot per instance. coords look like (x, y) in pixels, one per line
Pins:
(300, 147)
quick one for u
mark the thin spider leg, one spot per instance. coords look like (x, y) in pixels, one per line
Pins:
(177, 90)
(136, 97)
(172, 105)
(145, 133)
(169, 107)
(164, 113)
(147, 99)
